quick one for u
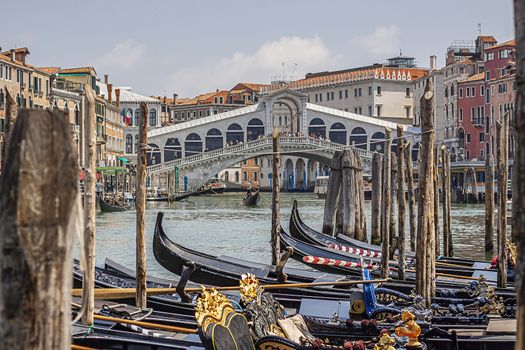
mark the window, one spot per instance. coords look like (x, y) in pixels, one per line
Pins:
(215, 100)
(407, 111)
(361, 110)
(407, 92)
(346, 93)
(370, 90)
(460, 93)
(379, 90)
(473, 92)
(370, 110)
(320, 97)
(215, 111)
(332, 95)
(244, 176)
(360, 92)
(452, 90)
(340, 94)
(221, 100)
(482, 90)
(490, 56)
(378, 109)
(129, 144)
(269, 162)
(1, 71)
(481, 137)
(355, 110)
(468, 137)
(472, 113)
(503, 53)
(355, 92)
(152, 117)
(461, 114)
(316, 98)
(255, 178)
(468, 92)
(487, 75)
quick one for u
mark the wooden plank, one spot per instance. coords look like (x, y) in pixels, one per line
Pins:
(501, 326)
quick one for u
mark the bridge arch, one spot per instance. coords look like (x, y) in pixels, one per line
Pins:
(358, 137)
(317, 128)
(234, 134)
(377, 142)
(172, 149)
(255, 129)
(337, 133)
(214, 140)
(153, 155)
(192, 145)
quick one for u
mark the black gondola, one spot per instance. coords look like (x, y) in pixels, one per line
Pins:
(251, 198)
(158, 199)
(179, 197)
(111, 208)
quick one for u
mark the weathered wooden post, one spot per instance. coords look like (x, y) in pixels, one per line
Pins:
(140, 206)
(445, 179)
(88, 282)
(425, 235)
(11, 111)
(276, 197)
(503, 166)
(449, 205)
(401, 202)
(518, 180)
(37, 226)
(361, 222)
(332, 193)
(411, 197)
(435, 174)
(377, 162)
(385, 212)
(347, 193)
(489, 205)
(393, 206)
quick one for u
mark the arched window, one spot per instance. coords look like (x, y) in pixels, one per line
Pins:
(152, 117)
(234, 134)
(338, 133)
(136, 143)
(129, 144)
(192, 145)
(213, 140)
(358, 138)
(255, 129)
(317, 128)
(226, 176)
(137, 117)
(153, 154)
(377, 142)
(237, 177)
(172, 149)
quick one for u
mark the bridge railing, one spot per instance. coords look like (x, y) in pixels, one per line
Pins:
(253, 146)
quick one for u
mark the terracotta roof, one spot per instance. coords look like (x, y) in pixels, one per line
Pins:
(505, 43)
(488, 38)
(205, 98)
(51, 70)
(476, 77)
(87, 70)
(164, 99)
(18, 50)
(467, 61)
(332, 78)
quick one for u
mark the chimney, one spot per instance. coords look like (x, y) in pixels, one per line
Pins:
(117, 97)
(175, 98)
(110, 92)
(106, 79)
(217, 90)
(433, 59)
(13, 55)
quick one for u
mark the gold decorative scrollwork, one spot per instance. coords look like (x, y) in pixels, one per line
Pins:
(250, 288)
(211, 306)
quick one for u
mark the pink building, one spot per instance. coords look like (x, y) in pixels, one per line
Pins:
(471, 117)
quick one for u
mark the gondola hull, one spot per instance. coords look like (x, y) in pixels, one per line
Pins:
(251, 200)
(111, 208)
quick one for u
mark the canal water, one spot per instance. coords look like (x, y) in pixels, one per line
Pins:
(221, 225)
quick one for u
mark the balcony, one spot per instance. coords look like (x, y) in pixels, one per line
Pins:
(478, 122)
(62, 84)
(101, 139)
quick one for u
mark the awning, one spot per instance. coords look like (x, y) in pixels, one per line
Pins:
(123, 159)
(111, 170)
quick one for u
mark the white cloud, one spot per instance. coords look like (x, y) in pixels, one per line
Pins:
(310, 54)
(384, 41)
(123, 56)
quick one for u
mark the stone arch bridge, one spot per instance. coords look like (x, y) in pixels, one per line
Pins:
(201, 148)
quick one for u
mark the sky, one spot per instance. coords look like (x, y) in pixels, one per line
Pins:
(162, 47)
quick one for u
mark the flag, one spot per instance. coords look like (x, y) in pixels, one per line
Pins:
(128, 117)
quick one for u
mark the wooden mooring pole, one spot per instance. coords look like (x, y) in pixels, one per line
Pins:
(40, 211)
(377, 162)
(11, 111)
(393, 205)
(88, 282)
(332, 194)
(449, 206)
(385, 209)
(502, 132)
(435, 181)
(518, 180)
(401, 202)
(489, 205)
(347, 193)
(140, 206)
(411, 198)
(425, 275)
(276, 197)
